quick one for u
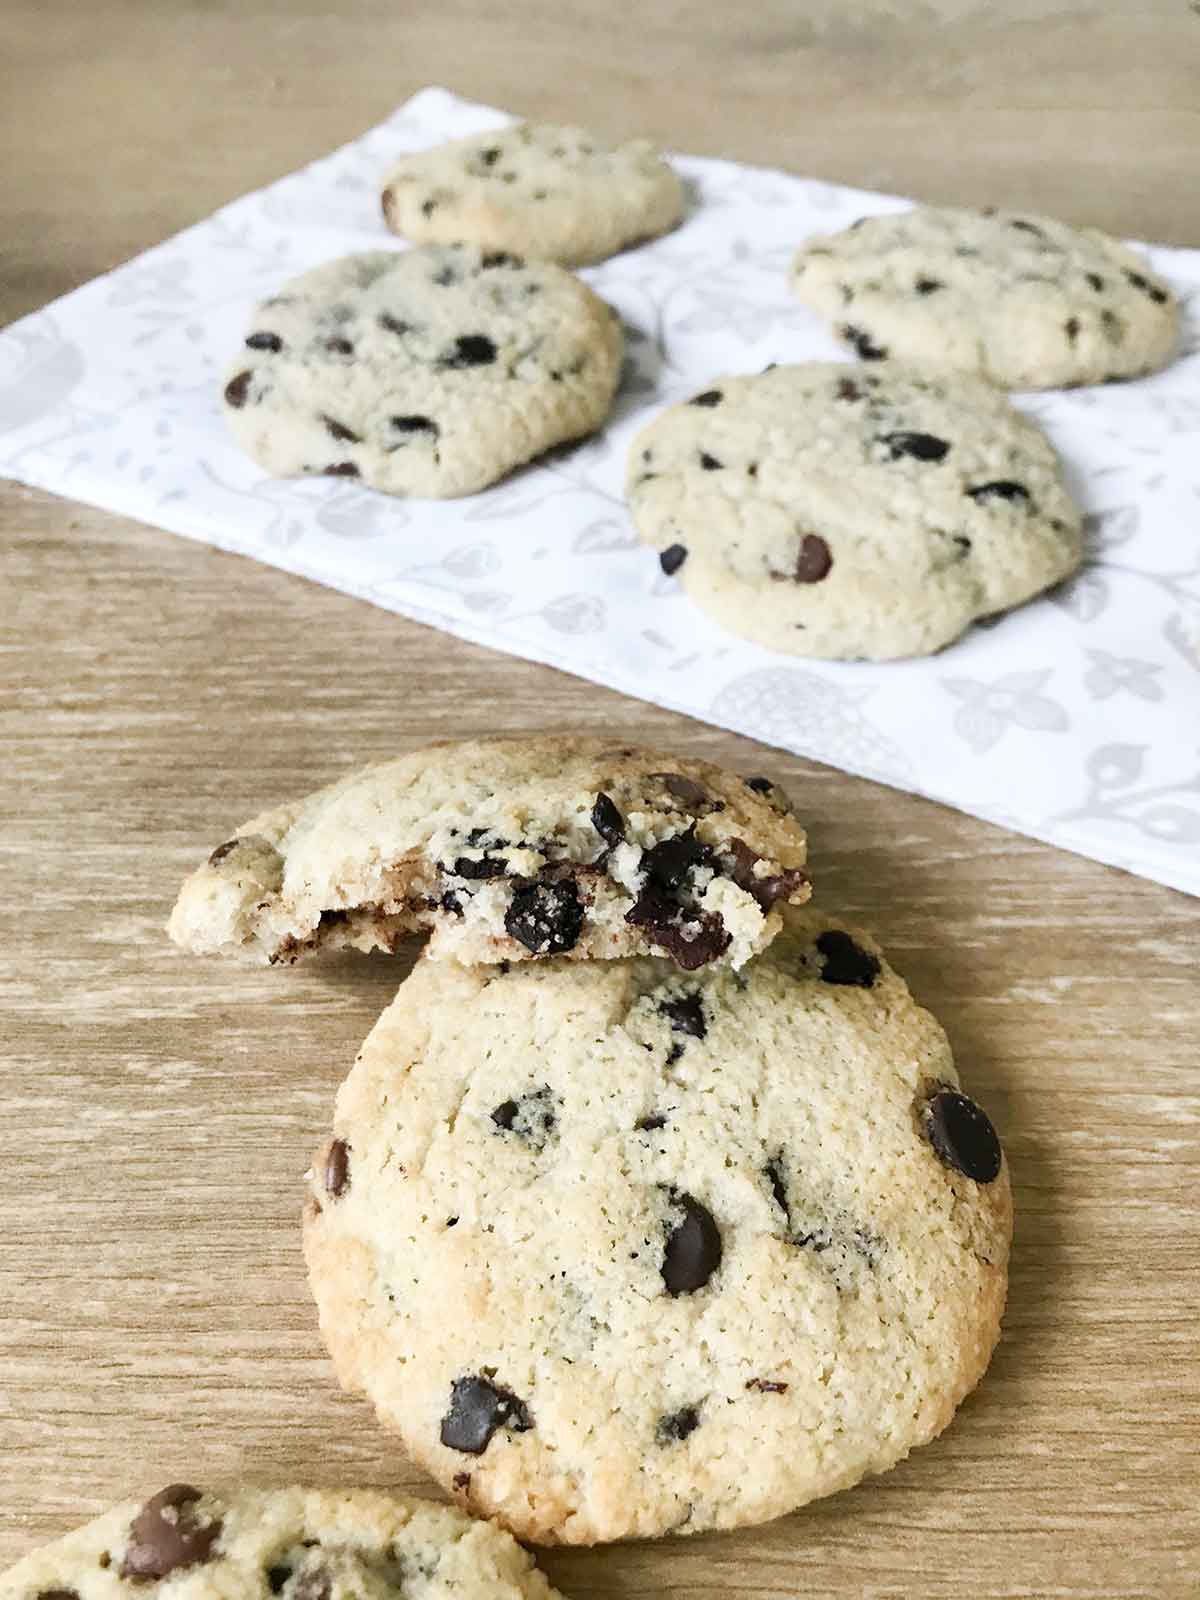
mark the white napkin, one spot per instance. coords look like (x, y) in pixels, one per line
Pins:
(1075, 719)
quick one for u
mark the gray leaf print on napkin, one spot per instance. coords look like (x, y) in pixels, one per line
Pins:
(608, 533)
(573, 613)
(1111, 766)
(1109, 674)
(1105, 530)
(801, 711)
(1085, 596)
(1013, 701)
(38, 370)
(359, 514)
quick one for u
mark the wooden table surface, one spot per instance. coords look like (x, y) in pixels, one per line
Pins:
(154, 1319)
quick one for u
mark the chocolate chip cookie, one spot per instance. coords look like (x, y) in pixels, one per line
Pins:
(298, 1544)
(560, 194)
(506, 850)
(1025, 301)
(839, 511)
(619, 1251)
(426, 372)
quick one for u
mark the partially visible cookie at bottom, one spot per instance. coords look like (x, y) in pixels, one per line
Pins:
(620, 1251)
(297, 1544)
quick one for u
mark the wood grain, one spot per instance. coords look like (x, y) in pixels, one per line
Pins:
(154, 1321)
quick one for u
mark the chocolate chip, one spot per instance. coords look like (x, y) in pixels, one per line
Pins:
(386, 200)
(668, 863)
(392, 324)
(340, 469)
(451, 903)
(470, 350)
(691, 939)
(710, 463)
(57, 1594)
(336, 1176)
(677, 1425)
(847, 389)
(428, 207)
(1112, 325)
(416, 425)
(445, 276)
(962, 1136)
(686, 1015)
(340, 432)
(768, 889)
(775, 1177)
(929, 285)
(651, 1124)
(499, 258)
(814, 561)
(546, 917)
(505, 1115)
(921, 446)
(710, 397)
(1026, 227)
(1096, 281)
(168, 1534)
(608, 821)
(276, 1578)
(962, 544)
(1139, 282)
(861, 344)
(236, 390)
(693, 1250)
(531, 1117)
(999, 489)
(846, 963)
(264, 341)
(766, 1386)
(478, 1409)
(759, 785)
(485, 866)
(222, 851)
(1071, 329)
(339, 347)
(461, 1481)
(672, 558)
(490, 156)
(685, 790)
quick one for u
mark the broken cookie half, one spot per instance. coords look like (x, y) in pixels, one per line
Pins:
(506, 850)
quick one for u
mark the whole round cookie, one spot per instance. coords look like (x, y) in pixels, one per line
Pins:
(619, 1253)
(297, 1544)
(828, 510)
(506, 850)
(537, 189)
(423, 372)
(1027, 302)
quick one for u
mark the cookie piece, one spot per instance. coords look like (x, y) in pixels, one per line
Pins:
(619, 1252)
(423, 372)
(298, 1544)
(830, 510)
(1025, 301)
(506, 850)
(556, 193)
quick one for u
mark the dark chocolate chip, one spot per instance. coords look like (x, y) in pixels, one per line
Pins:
(416, 425)
(168, 1534)
(1112, 325)
(677, 1425)
(608, 821)
(1071, 329)
(860, 342)
(693, 1251)
(710, 463)
(686, 1015)
(222, 851)
(339, 347)
(962, 544)
(759, 785)
(340, 469)
(710, 397)
(692, 940)
(1026, 227)
(775, 1177)
(921, 446)
(847, 389)
(766, 890)
(546, 918)
(428, 207)
(470, 350)
(451, 903)
(532, 1117)
(668, 863)
(236, 390)
(57, 1594)
(685, 790)
(1159, 296)
(264, 341)
(962, 1136)
(672, 558)
(336, 1176)
(478, 1409)
(277, 1576)
(461, 1481)
(845, 962)
(490, 156)
(505, 1115)
(485, 866)
(499, 258)
(340, 432)
(929, 285)
(393, 324)
(651, 1124)
(814, 561)
(1000, 489)
(767, 1386)
(1096, 281)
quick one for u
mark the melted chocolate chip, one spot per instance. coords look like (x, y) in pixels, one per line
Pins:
(668, 863)
(814, 561)
(685, 790)
(478, 1409)
(461, 1481)
(608, 821)
(672, 558)
(416, 425)
(861, 344)
(710, 397)
(962, 1135)
(1000, 489)
(340, 432)
(546, 918)
(693, 1251)
(766, 890)
(710, 463)
(766, 1386)
(236, 390)
(920, 446)
(470, 350)
(691, 939)
(264, 341)
(845, 962)
(168, 1534)
(929, 285)
(686, 1015)
(340, 469)
(1139, 282)
(677, 1425)
(499, 258)
(392, 324)
(759, 785)
(222, 851)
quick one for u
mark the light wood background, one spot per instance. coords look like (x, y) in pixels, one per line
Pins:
(158, 1112)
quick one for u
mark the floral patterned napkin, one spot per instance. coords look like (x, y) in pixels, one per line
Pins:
(1075, 720)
